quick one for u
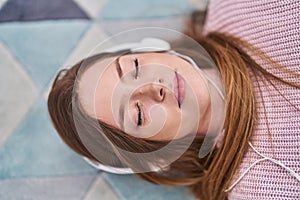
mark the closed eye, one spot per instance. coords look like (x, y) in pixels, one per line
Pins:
(139, 116)
(136, 63)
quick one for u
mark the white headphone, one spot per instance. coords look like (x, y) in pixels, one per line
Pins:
(145, 45)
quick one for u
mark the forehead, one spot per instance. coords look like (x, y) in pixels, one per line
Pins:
(89, 81)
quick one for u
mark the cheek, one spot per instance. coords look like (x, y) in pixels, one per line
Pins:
(170, 127)
(162, 122)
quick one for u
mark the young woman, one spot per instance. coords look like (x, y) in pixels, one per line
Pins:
(254, 152)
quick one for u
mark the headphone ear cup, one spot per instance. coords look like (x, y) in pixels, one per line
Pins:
(151, 45)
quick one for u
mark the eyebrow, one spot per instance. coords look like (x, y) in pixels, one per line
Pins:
(121, 115)
(122, 106)
(118, 67)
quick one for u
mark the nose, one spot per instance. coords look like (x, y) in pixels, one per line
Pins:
(153, 92)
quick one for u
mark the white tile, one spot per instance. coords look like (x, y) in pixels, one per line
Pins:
(2, 2)
(100, 190)
(91, 7)
(47, 91)
(18, 93)
(84, 48)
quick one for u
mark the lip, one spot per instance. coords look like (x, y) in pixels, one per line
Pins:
(179, 88)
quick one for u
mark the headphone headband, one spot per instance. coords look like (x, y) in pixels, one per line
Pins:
(145, 45)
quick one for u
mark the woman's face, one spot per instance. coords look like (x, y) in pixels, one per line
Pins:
(158, 96)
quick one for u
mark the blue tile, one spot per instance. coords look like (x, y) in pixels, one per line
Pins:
(35, 149)
(129, 187)
(138, 9)
(31, 10)
(42, 47)
(54, 188)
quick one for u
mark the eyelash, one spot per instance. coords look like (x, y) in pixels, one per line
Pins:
(139, 118)
(136, 62)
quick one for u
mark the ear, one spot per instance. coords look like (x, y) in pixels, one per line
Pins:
(151, 45)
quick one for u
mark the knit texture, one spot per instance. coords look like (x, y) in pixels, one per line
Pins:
(272, 26)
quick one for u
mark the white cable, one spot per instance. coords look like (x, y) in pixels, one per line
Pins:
(293, 173)
(244, 173)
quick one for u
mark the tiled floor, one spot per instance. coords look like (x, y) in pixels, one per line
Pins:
(37, 38)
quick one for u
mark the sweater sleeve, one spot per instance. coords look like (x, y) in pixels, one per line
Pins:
(272, 26)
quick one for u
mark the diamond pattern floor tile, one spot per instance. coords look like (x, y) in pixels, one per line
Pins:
(112, 27)
(137, 9)
(35, 149)
(100, 190)
(18, 93)
(84, 48)
(32, 10)
(130, 187)
(42, 47)
(91, 7)
(54, 188)
(93, 37)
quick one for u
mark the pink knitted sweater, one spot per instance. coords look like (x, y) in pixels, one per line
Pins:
(273, 26)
